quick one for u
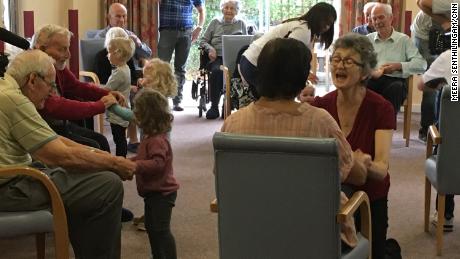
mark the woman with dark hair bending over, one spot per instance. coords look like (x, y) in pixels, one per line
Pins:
(367, 119)
(283, 71)
(316, 25)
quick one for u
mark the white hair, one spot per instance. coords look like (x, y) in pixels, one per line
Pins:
(123, 48)
(386, 8)
(43, 36)
(235, 3)
(114, 32)
(27, 62)
(368, 5)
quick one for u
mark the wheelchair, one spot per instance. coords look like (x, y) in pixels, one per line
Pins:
(200, 85)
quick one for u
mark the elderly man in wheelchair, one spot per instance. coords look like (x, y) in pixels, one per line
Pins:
(211, 43)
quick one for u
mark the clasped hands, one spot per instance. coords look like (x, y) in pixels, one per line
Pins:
(387, 68)
(112, 98)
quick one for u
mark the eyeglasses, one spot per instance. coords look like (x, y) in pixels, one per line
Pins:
(346, 62)
(52, 83)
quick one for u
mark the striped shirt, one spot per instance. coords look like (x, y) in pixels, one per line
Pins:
(177, 14)
(22, 131)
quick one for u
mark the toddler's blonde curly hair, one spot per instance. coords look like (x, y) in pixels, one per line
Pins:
(158, 75)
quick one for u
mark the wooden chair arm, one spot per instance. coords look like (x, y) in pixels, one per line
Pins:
(91, 75)
(96, 81)
(434, 138)
(61, 236)
(361, 201)
(228, 101)
(213, 206)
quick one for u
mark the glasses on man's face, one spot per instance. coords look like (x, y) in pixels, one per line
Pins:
(52, 83)
(346, 62)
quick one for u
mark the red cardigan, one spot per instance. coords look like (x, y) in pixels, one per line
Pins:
(65, 105)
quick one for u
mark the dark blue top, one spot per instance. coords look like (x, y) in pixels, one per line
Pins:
(363, 29)
(177, 14)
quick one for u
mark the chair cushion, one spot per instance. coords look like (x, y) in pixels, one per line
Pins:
(360, 251)
(25, 223)
(430, 170)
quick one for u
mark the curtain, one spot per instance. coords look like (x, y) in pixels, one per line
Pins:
(351, 14)
(13, 10)
(142, 19)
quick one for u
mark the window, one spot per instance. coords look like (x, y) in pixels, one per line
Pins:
(260, 13)
(6, 14)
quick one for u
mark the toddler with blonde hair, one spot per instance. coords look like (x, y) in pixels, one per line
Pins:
(120, 50)
(159, 75)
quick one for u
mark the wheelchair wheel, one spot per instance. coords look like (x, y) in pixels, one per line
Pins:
(201, 106)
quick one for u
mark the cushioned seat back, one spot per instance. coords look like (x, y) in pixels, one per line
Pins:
(448, 165)
(231, 44)
(277, 197)
(88, 50)
(91, 34)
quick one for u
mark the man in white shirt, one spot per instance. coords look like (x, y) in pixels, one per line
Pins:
(397, 58)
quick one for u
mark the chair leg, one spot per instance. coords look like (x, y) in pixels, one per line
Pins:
(427, 203)
(440, 225)
(406, 125)
(40, 245)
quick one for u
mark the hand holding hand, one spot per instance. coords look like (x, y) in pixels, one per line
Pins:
(125, 168)
(120, 98)
(364, 158)
(389, 68)
(108, 100)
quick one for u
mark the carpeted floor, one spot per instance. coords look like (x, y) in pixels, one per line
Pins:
(195, 228)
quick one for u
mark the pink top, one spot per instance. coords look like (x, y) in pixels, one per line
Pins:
(306, 121)
(154, 171)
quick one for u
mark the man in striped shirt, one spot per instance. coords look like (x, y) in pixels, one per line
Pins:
(89, 180)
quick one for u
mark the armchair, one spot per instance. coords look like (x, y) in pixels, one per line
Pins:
(38, 222)
(88, 50)
(279, 197)
(231, 45)
(441, 170)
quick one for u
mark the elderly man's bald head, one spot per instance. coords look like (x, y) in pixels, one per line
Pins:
(117, 15)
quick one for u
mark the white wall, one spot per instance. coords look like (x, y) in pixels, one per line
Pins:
(56, 12)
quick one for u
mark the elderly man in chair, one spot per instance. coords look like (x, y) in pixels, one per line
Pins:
(397, 58)
(117, 17)
(73, 99)
(89, 180)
